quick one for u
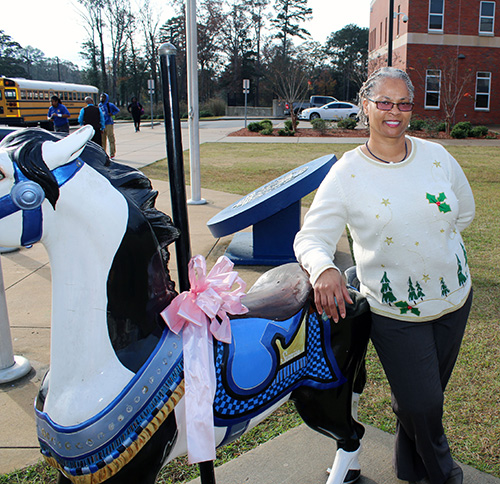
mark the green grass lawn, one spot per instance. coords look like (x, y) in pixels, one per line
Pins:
(472, 410)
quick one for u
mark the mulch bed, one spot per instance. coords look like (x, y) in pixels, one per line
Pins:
(349, 133)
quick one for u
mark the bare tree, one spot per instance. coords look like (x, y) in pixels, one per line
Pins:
(257, 9)
(289, 77)
(93, 16)
(150, 21)
(454, 82)
(119, 18)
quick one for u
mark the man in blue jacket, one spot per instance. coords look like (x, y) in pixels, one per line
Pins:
(108, 110)
(59, 114)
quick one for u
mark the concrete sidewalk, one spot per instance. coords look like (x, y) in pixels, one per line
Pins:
(300, 456)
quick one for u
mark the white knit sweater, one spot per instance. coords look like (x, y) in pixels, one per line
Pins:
(405, 220)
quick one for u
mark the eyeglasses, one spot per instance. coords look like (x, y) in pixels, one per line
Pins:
(387, 105)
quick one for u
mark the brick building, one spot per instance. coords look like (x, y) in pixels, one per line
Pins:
(450, 48)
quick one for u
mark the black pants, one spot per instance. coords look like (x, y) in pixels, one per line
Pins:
(137, 122)
(418, 359)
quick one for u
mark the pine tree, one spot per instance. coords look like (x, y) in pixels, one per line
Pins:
(462, 279)
(465, 254)
(387, 294)
(420, 292)
(444, 288)
(412, 295)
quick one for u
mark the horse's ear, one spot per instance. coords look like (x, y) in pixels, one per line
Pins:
(58, 153)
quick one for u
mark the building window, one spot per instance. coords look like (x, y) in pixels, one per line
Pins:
(432, 88)
(436, 15)
(483, 86)
(487, 18)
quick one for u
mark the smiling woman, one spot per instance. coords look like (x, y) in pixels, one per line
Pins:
(405, 202)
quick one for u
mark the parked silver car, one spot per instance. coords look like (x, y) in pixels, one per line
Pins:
(331, 111)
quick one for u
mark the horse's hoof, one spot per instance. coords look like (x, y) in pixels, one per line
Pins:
(352, 476)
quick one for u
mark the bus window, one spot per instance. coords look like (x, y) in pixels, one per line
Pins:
(10, 94)
(23, 94)
(0, 95)
(65, 96)
(35, 95)
(30, 94)
(46, 95)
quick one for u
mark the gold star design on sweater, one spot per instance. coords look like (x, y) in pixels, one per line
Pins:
(437, 164)
(426, 278)
(385, 201)
(389, 241)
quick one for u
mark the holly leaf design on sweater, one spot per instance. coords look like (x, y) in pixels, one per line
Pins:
(439, 201)
(404, 307)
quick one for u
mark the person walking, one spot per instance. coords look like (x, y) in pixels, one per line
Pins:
(59, 115)
(135, 108)
(405, 201)
(92, 115)
(108, 110)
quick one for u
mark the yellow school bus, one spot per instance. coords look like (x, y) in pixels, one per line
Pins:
(26, 102)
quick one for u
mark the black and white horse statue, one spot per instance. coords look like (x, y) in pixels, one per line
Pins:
(112, 409)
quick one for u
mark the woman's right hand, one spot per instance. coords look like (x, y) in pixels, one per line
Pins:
(330, 294)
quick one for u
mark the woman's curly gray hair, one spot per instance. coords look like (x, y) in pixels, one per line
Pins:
(380, 74)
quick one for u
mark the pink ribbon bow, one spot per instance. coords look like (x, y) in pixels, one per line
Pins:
(197, 313)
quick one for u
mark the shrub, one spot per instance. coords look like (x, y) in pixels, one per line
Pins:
(459, 132)
(465, 126)
(417, 124)
(319, 124)
(432, 125)
(206, 114)
(266, 124)
(347, 123)
(479, 131)
(267, 131)
(288, 124)
(216, 106)
(255, 127)
(286, 132)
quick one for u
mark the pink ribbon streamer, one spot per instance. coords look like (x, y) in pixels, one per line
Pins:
(200, 313)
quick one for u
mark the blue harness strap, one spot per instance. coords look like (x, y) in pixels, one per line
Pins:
(33, 217)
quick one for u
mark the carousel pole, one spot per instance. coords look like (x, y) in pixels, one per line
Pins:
(176, 177)
(173, 136)
(12, 367)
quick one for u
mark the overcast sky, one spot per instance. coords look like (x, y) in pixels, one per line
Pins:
(56, 28)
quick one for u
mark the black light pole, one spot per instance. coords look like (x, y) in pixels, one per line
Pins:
(391, 33)
(173, 136)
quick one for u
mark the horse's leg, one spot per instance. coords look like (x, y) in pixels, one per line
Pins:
(330, 411)
(62, 479)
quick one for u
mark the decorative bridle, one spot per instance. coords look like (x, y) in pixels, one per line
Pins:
(28, 196)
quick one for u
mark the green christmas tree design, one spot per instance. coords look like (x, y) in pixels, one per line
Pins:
(387, 295)
(404, 307)
(412, 295)
(420, 292)
(439, 201)
(444, 288)
(462, 279)
(465, 254)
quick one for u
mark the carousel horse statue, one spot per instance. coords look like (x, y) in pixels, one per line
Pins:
(111, 409)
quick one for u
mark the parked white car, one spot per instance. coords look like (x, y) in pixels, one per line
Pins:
(331, 111)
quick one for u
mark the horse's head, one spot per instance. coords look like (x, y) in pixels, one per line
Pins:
(33, 165)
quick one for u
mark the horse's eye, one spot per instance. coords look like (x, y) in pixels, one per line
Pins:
(2, 176)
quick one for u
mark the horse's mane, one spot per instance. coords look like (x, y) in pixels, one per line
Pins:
(25, 149)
